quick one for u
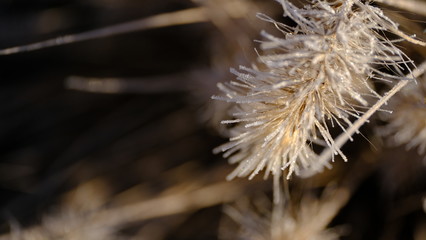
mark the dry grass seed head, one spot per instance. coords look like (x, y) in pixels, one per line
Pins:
(313, 74)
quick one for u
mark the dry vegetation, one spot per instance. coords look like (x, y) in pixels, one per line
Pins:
(109, 134)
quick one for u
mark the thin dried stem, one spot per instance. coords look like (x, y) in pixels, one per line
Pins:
(187, 16)
(160, 84)
(182, 17)
(174, 204)
(344, 137)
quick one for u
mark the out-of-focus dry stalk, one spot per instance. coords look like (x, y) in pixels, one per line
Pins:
(169, 205)
(78, 218)
(424, 204)
(177, 203)
(420, 233)
(415, 6)
(161, 84)
(182, 17)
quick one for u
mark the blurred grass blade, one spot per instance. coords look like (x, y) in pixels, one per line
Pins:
(187, 16)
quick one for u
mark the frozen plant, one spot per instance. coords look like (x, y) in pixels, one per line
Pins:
(315, 75)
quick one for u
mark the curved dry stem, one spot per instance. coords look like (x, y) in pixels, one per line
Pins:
(182, 17)
(187, 16)
(344, 137)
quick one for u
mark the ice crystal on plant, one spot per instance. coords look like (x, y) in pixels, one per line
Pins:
(314, 76)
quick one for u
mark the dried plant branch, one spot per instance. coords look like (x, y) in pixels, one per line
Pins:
(182, 17)
(104, 222)
(187, 16)
(168, 205)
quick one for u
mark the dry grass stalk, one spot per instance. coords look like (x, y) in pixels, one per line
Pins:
(409, 106)
(101, 223)
(182, 17)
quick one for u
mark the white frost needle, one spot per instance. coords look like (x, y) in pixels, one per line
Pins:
(313, 74)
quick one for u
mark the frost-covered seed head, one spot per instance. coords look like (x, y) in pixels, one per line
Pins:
(312, 77)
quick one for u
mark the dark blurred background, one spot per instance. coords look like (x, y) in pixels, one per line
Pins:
(53, 138)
